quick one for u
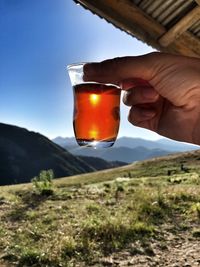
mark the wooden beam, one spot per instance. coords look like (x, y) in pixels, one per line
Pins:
(181, 26)
(187, 44)
(130, 18)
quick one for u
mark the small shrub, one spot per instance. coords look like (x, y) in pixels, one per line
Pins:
(43, 183)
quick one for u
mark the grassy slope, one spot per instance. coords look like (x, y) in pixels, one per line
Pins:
(94, 215)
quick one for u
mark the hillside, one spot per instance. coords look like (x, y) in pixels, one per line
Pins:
(100, 164)
(24, 154)
(143, 214)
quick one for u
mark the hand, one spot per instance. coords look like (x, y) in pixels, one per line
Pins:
(163, 91)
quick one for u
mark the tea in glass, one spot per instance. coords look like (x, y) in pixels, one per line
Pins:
(96, 115)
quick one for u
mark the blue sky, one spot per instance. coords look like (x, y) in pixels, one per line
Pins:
(38, 38)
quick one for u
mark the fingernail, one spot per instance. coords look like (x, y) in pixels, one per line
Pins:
(150, 93)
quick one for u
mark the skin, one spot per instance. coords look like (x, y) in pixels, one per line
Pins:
(162, 90)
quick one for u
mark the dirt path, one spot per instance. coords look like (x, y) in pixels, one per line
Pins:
(175, 250)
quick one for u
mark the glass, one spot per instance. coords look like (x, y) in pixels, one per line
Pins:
(96, 115)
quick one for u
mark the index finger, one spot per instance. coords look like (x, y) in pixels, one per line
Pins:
(118, 69)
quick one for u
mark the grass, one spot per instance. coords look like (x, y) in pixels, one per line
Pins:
(93, 215)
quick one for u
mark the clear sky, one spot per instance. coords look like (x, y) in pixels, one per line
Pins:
(38, 38)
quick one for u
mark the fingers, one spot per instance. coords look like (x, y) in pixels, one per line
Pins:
(118, 69)
(140, 95)
(145, 118)
(133, 82)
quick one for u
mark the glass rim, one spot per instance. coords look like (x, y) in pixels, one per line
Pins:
(76, 64)
(81, 64)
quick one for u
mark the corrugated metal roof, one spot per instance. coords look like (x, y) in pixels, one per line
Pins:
(195, 29)
(168, 25)
(166, 12)
(169, 12)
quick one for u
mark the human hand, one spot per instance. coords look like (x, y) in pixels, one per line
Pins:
(163, 91)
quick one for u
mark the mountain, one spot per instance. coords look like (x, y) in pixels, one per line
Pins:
(24, 154)
(164, 144)
(123, 154)
(66, 142)
(127, 149)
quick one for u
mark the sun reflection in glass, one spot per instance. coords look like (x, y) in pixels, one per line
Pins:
(94, 99)
(93, 134)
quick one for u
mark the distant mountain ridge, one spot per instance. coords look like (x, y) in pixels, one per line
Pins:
(130, 142)
(23, 154)
(127, 149)
(124, 154)
(164, 144)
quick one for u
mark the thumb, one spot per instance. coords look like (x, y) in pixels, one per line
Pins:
(118, 69)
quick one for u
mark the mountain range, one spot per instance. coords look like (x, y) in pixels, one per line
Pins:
(24, 154)
(127, 149)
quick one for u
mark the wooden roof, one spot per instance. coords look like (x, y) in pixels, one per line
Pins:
(167, 25)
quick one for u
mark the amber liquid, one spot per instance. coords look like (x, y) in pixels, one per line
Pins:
(96, 114)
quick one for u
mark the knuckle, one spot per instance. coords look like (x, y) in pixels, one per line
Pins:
(109, 66)
(115, 64)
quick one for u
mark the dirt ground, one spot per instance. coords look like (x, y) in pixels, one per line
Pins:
(176, 249)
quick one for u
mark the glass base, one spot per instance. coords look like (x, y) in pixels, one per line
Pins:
(95, 144)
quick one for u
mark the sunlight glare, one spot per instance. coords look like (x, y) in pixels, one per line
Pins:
(93, 134)
(94, 99)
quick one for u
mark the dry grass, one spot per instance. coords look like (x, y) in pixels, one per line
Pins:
(90, 216)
